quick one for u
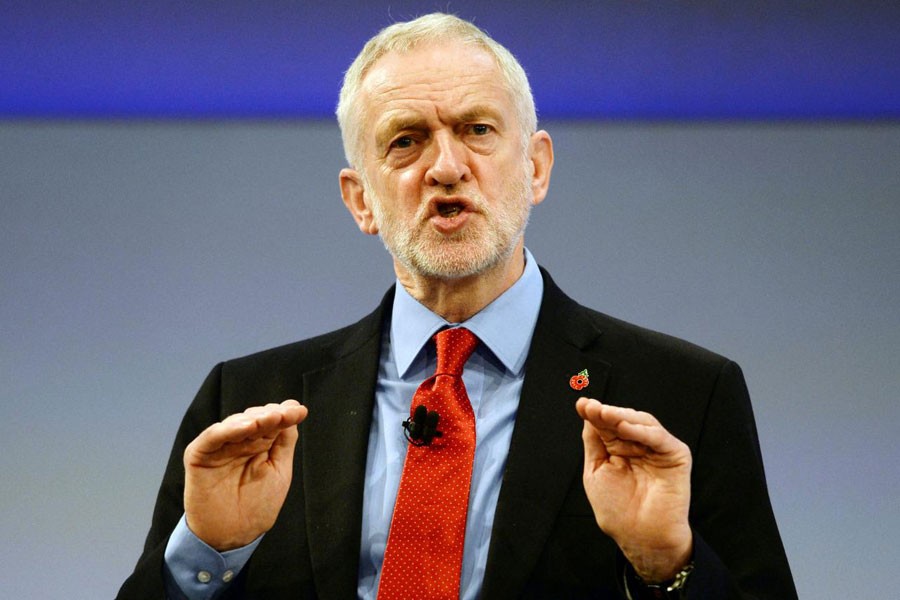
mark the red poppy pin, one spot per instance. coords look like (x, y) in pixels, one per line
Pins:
(580, 381)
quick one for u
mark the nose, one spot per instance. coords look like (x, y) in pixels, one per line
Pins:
(449, 163)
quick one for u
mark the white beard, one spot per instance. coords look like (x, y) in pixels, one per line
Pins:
(476, 249)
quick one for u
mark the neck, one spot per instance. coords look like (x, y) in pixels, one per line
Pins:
(459, 298)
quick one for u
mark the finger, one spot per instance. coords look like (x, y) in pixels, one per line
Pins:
(615, 422)
(289, 412)
(592, 411)
(631, 433)
(634, 431)
(627, 432)
(272, 418)
(255, 423)
(655, 438)
(293, 413)
(580, 406)
(283, 448)
(268, 419)
(234, 429)
(595, 453)
(607, 416)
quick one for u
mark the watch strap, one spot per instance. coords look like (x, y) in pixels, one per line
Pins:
(674, 589)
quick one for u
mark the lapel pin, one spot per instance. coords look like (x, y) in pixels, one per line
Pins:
(579, 381)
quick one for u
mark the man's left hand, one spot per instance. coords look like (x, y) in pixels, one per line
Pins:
(637, 477)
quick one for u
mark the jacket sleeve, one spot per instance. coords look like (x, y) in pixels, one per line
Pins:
(738, 551)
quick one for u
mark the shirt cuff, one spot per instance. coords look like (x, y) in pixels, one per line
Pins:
(198, 570)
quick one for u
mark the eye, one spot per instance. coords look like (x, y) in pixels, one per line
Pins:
(481, 129)
(402, 142)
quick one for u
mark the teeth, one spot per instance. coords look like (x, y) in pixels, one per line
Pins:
(448, 210)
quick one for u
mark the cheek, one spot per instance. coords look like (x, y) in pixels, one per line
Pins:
(501, 173)
(407, 181)
(405, 189)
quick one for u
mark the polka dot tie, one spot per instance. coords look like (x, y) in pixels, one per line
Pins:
(424, 551)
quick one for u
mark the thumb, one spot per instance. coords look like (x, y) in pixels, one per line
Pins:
(282, 450)
(595, 454)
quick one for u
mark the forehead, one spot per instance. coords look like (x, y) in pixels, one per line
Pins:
(439, 78)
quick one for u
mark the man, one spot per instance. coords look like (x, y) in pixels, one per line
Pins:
(657, 491)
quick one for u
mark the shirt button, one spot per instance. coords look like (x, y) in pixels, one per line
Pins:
(227, 576)
(204, 577)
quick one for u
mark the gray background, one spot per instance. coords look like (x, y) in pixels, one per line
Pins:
(133, 256)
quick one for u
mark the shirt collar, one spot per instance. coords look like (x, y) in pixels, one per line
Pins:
(505, 325)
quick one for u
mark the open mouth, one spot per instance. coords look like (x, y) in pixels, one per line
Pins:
(449, 210)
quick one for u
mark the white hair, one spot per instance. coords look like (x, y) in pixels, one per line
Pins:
(403, 37)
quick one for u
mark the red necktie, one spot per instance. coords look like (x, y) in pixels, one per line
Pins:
(424, 551)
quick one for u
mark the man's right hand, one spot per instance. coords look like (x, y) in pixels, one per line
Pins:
(237, 474)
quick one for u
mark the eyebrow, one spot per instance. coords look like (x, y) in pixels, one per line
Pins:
(414, 122)
(480, 112)
(393, 124)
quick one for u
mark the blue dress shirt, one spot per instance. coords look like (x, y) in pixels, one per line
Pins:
(493, 377)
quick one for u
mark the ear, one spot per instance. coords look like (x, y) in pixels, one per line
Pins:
(540, 151)
(354, 194)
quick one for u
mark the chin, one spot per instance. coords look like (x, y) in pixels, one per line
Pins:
(457, 262)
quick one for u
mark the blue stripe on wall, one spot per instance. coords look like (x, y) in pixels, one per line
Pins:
(591, 59)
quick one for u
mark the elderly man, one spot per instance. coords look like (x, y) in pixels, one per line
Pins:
(502, 474)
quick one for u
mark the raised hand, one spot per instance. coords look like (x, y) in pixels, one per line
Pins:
(237, 474)
(637, 479)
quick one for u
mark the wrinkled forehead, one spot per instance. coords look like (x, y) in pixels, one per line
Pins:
(442, 74)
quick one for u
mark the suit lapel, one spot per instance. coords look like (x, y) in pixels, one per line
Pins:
(334, 441)
(546, 450)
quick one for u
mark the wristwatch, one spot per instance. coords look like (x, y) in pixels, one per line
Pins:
(637, 589)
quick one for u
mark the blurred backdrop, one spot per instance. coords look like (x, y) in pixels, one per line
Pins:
(169, 199)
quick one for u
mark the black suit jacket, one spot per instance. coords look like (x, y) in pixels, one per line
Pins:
(545, 542)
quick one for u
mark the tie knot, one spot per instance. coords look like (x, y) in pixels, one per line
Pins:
(454, 347)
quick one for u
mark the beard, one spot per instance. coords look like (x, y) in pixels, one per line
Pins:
(486, 241)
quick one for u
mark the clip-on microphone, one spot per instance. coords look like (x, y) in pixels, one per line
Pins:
(422, 428)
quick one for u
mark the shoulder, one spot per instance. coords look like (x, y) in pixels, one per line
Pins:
(625, 341)
(650, 345)
(677, 381)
